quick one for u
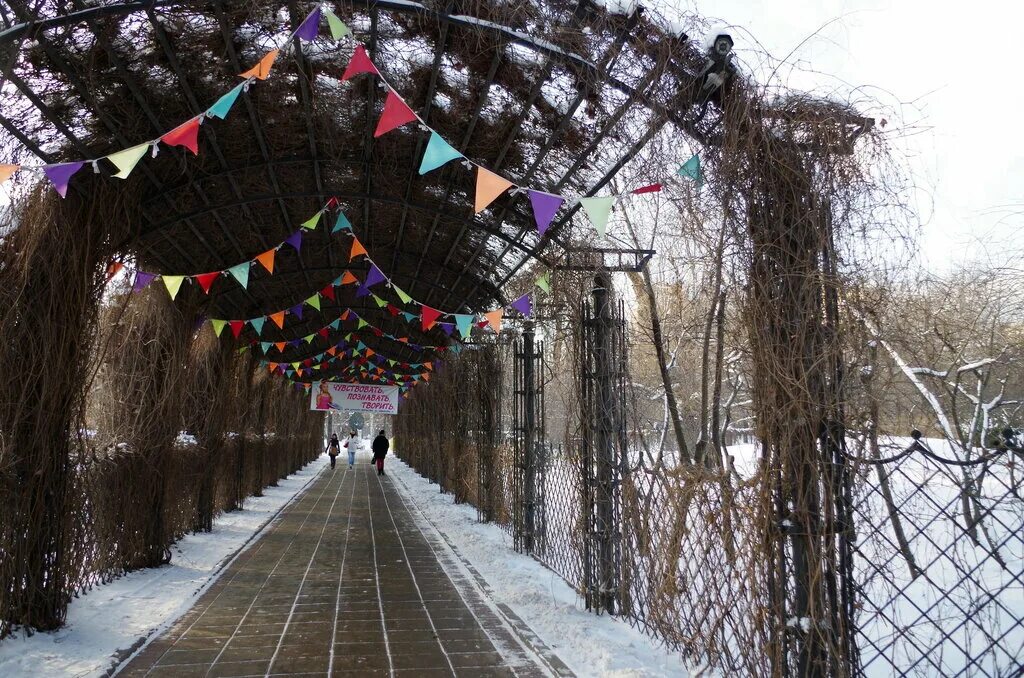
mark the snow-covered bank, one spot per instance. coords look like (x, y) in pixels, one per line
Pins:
(114, 617)
(590, 645)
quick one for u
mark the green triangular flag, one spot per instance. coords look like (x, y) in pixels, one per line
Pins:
(314, 301)
(338, 28)
(380, 302)
(438, 153)
(126, 160)
(401, 295)
(309, 338)
(598, 210)
(691, 170)
(173, 284)
(342, 223)
(241, 273)
(312, 221)
(464, 323)
(361, 324)
(223, 105)
(218, 325)
(544, 282)
(257, 324)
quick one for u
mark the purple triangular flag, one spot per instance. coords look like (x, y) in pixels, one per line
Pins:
(200, 319)
(545, 206)
(362, 291)
(141, 280)
(448, 328)
(295, 240)
(373, 277)
(523, 305)
(296, 310)
(308, 29)
(60, 175)
(294, 342)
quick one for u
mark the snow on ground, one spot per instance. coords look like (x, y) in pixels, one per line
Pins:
(110, 619)
(590, 645)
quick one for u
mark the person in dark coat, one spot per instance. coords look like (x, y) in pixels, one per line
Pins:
(380, 449)
(333, 448)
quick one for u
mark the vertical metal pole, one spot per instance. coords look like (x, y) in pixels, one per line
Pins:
(604, 439)
(529, 438)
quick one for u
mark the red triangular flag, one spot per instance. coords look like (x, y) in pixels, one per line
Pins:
(323, 331)
(428, 316)
(333, 202)
(360, 63)
(653, 188)
(328, 292)
(113, 269)
(205, 280)
(186, 135)
(395, 114)
(392, 310)
(236, 327)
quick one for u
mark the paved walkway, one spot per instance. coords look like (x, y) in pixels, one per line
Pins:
(344, 583)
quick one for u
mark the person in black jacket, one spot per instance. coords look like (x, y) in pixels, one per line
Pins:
(380, 449)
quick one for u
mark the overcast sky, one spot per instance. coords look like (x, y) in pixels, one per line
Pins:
(956, 73)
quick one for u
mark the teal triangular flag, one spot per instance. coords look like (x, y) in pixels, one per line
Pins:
(342, 223)
(598, 210)
(438, 153)
(464, 323)
(336, 324)
(223, 105)
(241, 273)
(691, 170)
(257, 324)
(409, 317)
(265, 345)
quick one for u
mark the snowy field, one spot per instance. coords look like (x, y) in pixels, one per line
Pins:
(590, 645)
(106, 623)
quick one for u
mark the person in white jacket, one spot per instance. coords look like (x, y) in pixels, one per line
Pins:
(353, 444)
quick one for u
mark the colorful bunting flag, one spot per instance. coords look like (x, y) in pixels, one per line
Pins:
(60, 175)
(401, 295)
(113, 269)
(652, 188)
(314, 301)
(312, 221)
(342, 223)
(261, 70)
(141, 280)
(308, 29)
(126, 160)
(488, 187)
(205, 280)
(357, 249)
(277, 319)
(544, 281)
(257, 324)
(338, 28)
(494, 318)
(236, 327)
(360, 63)
(374, 277)
(296, 311)
(173, 284)
(396, 113)
(465, 324)
(598, 209)
(362, 291)
(691, 170)
(7, 171)
(222, 106)
(347, 278)
(544, 206)
(428, 316)
(267, 260)
(437, 154)
(240, 273)
(524, 305)
(218, 325)
(328, 292)
(186, 135)
(295, 240)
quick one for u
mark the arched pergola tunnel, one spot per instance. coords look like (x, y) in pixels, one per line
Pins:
(206, 290)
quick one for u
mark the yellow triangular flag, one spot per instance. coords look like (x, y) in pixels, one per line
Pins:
(173, 284)
(126, 160)
(488, 187)
(261, 70)
(494, 318)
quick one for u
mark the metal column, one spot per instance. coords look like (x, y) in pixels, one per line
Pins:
(606, 426)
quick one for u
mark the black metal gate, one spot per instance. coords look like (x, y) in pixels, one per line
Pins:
(528, 446)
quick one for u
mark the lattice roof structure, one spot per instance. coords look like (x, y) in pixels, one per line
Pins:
(556, 95)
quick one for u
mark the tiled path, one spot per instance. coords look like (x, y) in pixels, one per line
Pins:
(344, 583)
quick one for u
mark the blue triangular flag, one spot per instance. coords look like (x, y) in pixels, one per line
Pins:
(342, 223)
(691, 169)
(223, 105)
(438, 153)
(257, 324)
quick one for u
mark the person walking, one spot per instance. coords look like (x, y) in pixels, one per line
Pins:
(380, 449)
(352, 445)
(333, 448)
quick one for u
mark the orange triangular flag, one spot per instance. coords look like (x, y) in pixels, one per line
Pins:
(113, 268)
(347, 278)
(261, 70)
(267, 259)
(186, 135)
(272, 366)
(278, 319)
(205, 280)
(425, 376)
(333, 350)
(370, 353)
(494, 318)
(488, 187)
(7, 171)
(280, 346)
(357, 249)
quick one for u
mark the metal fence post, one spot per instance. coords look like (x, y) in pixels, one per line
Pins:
(605, 441)
(529, 438)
